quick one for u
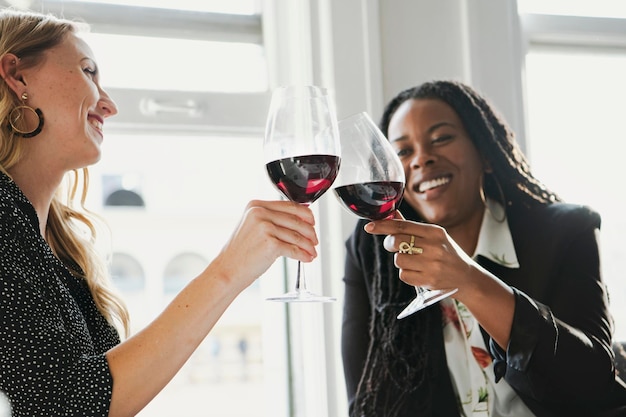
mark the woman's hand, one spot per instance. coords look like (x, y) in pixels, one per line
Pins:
(437, 261)
(267, 231)
(441, 264)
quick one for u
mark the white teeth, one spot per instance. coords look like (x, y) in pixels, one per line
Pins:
(437, 182)
(96, 124)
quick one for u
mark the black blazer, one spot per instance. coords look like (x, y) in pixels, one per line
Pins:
(559, 359)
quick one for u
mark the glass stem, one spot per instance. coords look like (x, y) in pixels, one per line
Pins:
(300, 280)
(419, 291)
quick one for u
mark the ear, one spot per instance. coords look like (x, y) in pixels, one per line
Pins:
(10, 72)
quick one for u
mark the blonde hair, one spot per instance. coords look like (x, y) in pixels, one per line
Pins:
(70, 232)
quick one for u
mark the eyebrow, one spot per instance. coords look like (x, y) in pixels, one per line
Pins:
(429, 130)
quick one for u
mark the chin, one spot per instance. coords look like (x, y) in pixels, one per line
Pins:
(92, 160)
(434, 215)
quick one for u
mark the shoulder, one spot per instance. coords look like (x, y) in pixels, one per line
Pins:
(557, 215)
(10, 194)
(15, 221)
(7, 203)
(6, 198)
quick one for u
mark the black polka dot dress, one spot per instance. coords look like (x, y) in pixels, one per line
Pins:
(52, 337)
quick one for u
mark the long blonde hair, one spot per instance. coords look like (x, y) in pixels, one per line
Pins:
(70, 232)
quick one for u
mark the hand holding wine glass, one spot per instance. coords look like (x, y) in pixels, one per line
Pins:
(371, 185)
(302, 154)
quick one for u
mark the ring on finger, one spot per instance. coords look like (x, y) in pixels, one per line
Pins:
(409, 248)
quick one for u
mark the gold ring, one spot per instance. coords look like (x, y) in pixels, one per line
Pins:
(409, 248)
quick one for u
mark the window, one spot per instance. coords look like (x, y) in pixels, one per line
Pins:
(575, 70)
(127, 273)
(180, 270)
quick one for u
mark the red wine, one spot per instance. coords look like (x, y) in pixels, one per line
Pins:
(372, 200)
(304, 179)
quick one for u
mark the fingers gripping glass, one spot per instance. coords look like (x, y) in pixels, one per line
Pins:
(425, 297)
(302, 154)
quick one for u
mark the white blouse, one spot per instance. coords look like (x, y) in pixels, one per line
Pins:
(469, 361)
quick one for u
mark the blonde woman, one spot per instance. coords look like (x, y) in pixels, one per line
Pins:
(60, 352)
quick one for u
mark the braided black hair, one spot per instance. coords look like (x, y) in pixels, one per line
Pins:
(399, 367)
(511, 180)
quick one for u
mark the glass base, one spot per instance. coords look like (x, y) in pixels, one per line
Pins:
(302, 297)
(424, 299)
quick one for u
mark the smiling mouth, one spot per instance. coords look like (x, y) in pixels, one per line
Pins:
(434, 183)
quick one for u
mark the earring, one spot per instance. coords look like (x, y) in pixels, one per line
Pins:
(495, 208)
(17, 115)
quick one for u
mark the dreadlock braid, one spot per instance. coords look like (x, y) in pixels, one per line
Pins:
(397, 357)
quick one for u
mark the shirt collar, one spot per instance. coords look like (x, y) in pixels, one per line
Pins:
(494, 239)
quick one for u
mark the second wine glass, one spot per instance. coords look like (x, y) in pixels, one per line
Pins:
(302, 154)
(371, 184)
(371, 181)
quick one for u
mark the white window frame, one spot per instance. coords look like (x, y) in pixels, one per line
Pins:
(572, 32)
(225, 112)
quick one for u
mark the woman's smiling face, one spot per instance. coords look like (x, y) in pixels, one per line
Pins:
(65, 86)
(443, 167)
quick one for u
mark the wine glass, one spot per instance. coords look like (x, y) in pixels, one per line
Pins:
(371, 181)
(302, 154)
(371, 184)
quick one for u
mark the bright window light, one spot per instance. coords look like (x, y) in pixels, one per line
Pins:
(189, 65)
(576, 112)
(216, 6)
(595, 8)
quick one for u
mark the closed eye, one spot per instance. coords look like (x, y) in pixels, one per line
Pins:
(90, 68)
(91, 71)
(442, 139)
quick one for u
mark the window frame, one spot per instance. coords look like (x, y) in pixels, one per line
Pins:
(573, 31)
(217, 112)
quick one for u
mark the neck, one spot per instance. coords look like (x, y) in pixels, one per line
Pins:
(465, 234)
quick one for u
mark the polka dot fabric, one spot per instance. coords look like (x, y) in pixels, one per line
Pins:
(52, 337)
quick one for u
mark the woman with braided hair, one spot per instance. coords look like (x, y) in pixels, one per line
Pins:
(528, 333)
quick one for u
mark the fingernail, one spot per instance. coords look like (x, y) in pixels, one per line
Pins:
(369, 227)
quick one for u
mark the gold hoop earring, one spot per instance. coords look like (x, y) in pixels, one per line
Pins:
(17, 114)
(502, 201)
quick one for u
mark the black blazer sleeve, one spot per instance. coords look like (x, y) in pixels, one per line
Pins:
(560, 346)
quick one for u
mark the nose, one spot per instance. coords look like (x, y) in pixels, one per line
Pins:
(106, 104)
(423, 157)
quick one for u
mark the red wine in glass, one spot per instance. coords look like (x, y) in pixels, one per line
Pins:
(374, 200)
(305, 178)
(302, 157)
(371, 184)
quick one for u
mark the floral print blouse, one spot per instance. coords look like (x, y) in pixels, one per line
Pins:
(469, 361)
